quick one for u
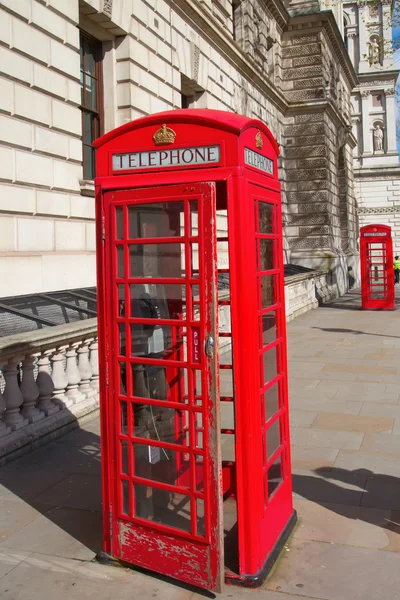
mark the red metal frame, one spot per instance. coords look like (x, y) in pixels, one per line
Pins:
(241, 187)
(377, 274)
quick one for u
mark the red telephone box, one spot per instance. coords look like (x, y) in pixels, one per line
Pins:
(194, 416)
(377, 275)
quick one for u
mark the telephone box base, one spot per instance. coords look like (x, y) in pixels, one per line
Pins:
(256, 580)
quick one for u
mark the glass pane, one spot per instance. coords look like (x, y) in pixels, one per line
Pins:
(195, 290)
(226, 382)
(90, 56)
(271, 401)
(198, 425)
(157, 260)
(268, 329)
(157, 301)
(222, 255)
(121, 300)
(273, 438)
(126, 503)
(200, 516)
(159, 423)
(124, 417)
(194, 218)
(157, 464)
(89, 170)
(120, 261)
(156, 220)
(269, 362)
(274, 476)
(157, 342)
(122, 339)
(122, 368)
(91, 95)
(267, 290)
(228, 446)
(195, 259)
(158, 383)
(124, 457)
(266, 255)
(227, 415)
(120, 225)
(265, 217)
(88, 133)
(162, 507)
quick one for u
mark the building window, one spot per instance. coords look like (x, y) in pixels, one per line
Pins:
(91, 101)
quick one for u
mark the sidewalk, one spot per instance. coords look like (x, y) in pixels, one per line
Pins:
(345, 412)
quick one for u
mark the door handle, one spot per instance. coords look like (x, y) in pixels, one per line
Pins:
(209, 346)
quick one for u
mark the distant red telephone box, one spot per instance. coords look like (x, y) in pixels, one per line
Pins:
(377, 275)
(194, 416)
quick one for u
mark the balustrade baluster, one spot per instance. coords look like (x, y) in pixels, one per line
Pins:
(94, 363)
(4, 430)
(13, 396)
(60, 379)
(45, 385)
(73, 375)
(85, 370)
(30, 391)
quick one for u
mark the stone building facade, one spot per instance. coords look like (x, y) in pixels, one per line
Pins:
(368, 35)
(70, 70)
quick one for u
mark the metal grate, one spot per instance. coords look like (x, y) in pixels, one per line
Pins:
(20, 314)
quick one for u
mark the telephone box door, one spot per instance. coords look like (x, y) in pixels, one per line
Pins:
(164, 455)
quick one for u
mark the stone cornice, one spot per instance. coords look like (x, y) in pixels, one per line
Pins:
(325, 20)
(203, 22)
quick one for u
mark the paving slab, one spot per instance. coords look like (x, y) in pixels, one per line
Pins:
(347, 525)
(337, 572)
(339, 422)
(320, 438)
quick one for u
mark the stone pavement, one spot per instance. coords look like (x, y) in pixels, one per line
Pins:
(345, 413)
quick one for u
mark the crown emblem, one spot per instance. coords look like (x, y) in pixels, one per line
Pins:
(259, 140)
(164, 135)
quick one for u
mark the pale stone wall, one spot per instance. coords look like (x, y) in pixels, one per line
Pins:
(46, 226)
(249, 58)
(318, 171)
(377, 171)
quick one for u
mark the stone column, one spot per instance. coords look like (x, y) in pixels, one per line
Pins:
(387, 23)
(390, 121)
(351, 36)
(13, 396)
(355, 121)
(363, 18)
(45, 385)
(4, 430)
(94, 363)
(74, 377)
(367, 137)
(85, 370)
(60, 379)
(30, 391)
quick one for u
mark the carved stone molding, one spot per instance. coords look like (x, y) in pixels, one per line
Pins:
(365, 93)
(107, 8)
(389, 92)
(378, 210)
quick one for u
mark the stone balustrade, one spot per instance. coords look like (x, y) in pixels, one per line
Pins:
(49, 381)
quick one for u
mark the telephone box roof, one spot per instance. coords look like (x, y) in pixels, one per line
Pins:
(219, 119)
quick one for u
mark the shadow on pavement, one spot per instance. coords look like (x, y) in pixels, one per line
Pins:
(354, 332)
(62, 482)
(363, 489)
